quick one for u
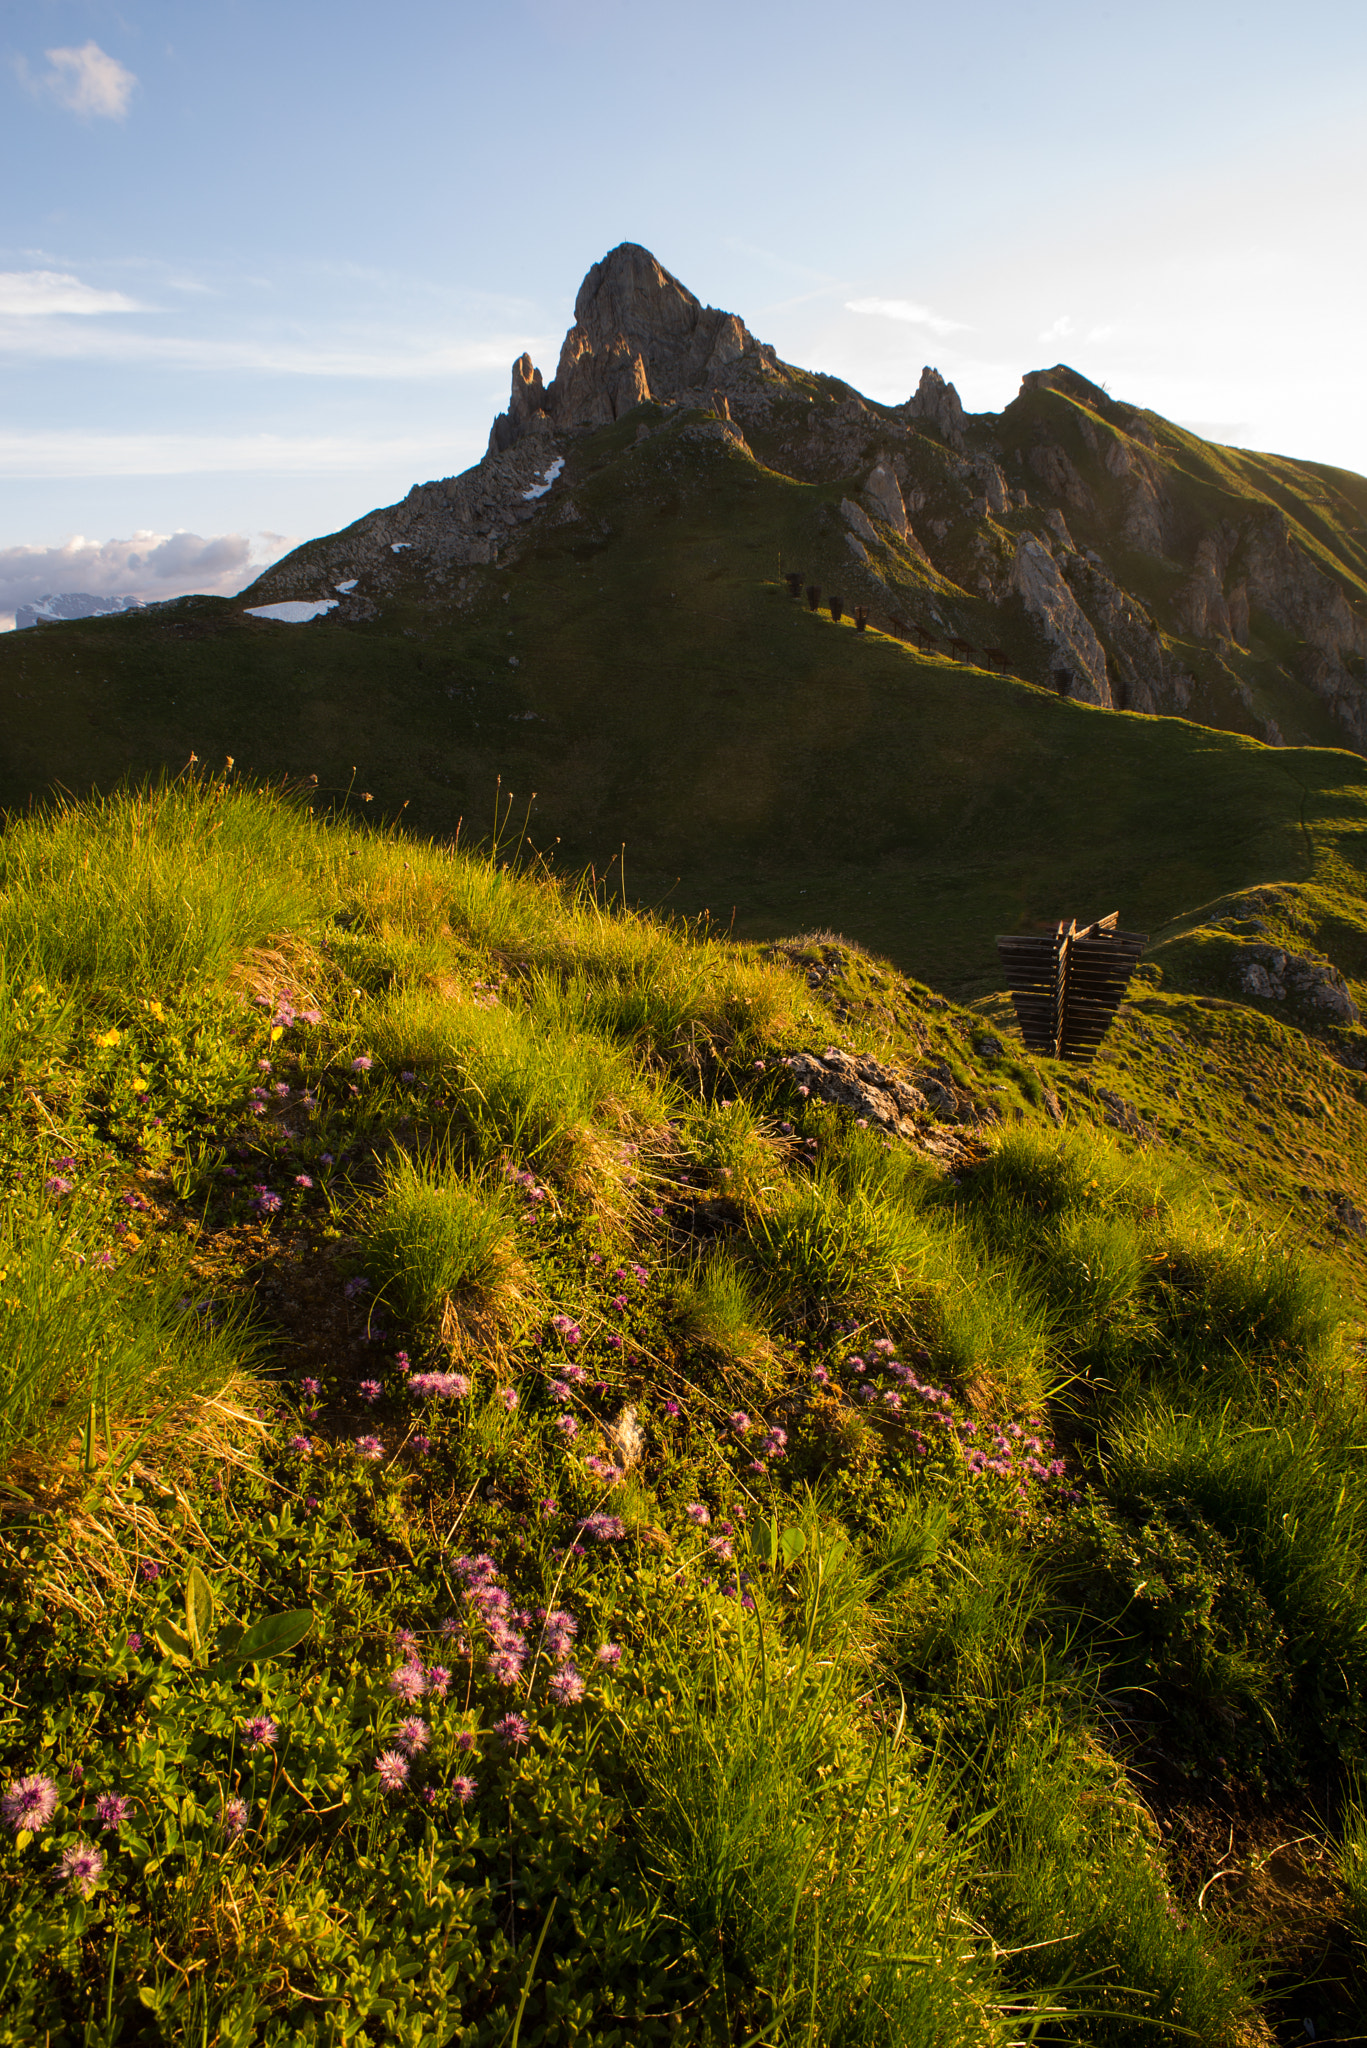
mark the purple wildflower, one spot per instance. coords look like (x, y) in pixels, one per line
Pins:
(464, 1789)
(149, 1569)
(673, 1410)
(370, 1447)
(362, 1063)
(451, 1385)
(358, 1285)
(302, 1446)
(393, 1770)
(413, 1736)
(82, 1866)
(699, 1515)
(369, 1391)
(135, 1643)
(605, 1528)
(512, 1730)
(267, 1203)
(438, 1681)
(721, 1546)
(312, 1388)
(112, 1810)
(508, 1396)
(58, 1184)
(408, 1683)
(232, 1816)
(29, 1803)
(260, 1731)
(303, 1180)
(567, 1425)
(422, 1445)
(609, 1653)
(740, 1421)
(565, 1686)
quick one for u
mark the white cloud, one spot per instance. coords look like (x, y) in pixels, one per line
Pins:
(1060, 330)
(31, 294)
(89, 81)
(908, 310)
(149, 565)
(71, 453)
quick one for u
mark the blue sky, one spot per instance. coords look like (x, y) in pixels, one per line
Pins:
(263, 266)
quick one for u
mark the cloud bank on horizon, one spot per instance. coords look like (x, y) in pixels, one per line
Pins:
(148, 566)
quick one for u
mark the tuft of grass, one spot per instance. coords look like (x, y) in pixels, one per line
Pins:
(721, 1308)
(443, 1251)
(87, 1350)
(154, 888)
(822, 1867)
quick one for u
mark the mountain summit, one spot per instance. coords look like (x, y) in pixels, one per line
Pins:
(638, 334)
(1073, 540)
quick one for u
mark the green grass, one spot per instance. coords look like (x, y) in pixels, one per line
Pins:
(859, 1535)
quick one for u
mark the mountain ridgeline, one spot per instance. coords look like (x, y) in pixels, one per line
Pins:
(1072, 539)
(948, 731)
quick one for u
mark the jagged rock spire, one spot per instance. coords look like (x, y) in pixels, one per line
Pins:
(638, 333)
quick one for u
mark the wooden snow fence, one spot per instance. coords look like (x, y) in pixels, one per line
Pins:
(1067, 985)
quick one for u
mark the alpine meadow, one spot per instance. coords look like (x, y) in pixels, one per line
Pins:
(592, 1451)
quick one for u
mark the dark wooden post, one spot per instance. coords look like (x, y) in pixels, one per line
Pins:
(813, 595)
(836, 609)
(861, 618)
(794, 583)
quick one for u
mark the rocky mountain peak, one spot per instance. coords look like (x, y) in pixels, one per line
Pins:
(1068, 384)
(638, 334)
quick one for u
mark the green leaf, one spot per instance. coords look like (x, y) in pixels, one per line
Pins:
(173, 1644)
(269, 1637)
(793, 1543)
(199, 1608)
(764, 1542)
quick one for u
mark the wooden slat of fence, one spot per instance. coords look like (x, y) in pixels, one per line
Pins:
(1067, 987)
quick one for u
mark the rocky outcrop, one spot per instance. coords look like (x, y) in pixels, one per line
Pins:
(1272, 975)
(883, 494)
(902, 1106)
(938, 404)
(1037, 581)
(1284, 582)
(1201, 605)
(638, 334)
(858, 522)
(1136, 666)
(1057, 472)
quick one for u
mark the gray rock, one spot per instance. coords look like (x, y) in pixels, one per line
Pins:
(1036, 580)
(863, 1085)
(859, 522)
(938, 403)
(884, 494)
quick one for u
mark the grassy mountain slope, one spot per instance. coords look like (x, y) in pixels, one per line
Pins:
(831, 1588)
(642, 668)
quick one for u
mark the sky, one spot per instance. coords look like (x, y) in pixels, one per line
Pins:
(264, 266)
